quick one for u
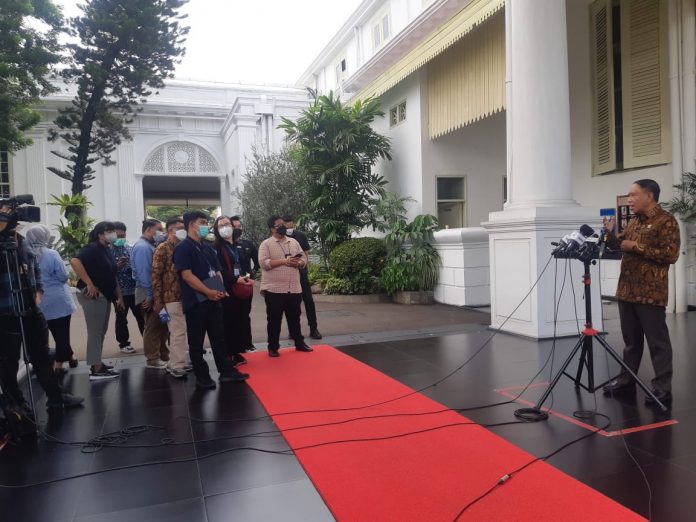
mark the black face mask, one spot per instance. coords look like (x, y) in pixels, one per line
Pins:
(236, 234)
(281, 230)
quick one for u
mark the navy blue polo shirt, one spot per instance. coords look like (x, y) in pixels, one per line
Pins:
(201, 260)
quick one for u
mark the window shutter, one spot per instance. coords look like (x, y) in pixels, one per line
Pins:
(603, 132)
(645, 83)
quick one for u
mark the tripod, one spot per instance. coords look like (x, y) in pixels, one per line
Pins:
(585, 346)
(9, 260)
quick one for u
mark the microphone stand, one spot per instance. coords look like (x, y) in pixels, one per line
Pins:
(585, 346)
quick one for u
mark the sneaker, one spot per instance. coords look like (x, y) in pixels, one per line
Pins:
(233, 376)
(102, 372)
(177, 373)
(128, 349)
(238, 359)
(65, 401)
(108, 366)
(206, 384)
(158, 364)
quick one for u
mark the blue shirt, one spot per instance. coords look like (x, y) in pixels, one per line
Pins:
(141, 264)
(201, 260)
(125, 274)
(57, 301)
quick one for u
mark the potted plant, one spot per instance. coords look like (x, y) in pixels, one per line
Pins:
(413, 264)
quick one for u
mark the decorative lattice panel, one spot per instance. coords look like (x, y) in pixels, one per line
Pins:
(181, 157)
(155, 163)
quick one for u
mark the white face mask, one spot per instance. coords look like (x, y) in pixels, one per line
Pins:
(290, 231)
(111, 237)
(225, 232)
(160, 236)
(180, 234)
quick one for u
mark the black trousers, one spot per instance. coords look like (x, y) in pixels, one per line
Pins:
(60, 330)
(276, 306)
(206, 318)
(308, 300)
(638, 323)
(36, 333)
(237, 324)
(122, 333)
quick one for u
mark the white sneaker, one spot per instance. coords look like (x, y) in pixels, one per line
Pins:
(177, 373)
(159, 364)
(127, 349)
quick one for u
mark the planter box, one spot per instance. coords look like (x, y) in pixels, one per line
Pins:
(352, 299)
(317, 288)
(414, 298)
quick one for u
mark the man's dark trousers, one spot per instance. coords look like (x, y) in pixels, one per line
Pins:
(206, 317)
(122, 334)
(277, 305)
(638, 323)
(308, 300)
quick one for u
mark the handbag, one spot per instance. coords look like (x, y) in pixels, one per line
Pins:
(243, 291)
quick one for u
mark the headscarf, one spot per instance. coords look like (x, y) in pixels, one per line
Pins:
(39, 236)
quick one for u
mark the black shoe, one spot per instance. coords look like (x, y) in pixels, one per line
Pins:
(60, 372)
(206, 384)
(304, 347)
(251, 348)
(664, 397)
(64, 401)
(273, 353)
(618, 386)
(233, 376)
(238, 359)
(314, 333)
(73, 363)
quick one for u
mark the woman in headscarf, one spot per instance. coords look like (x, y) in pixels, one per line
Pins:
(57, 304)
(239, 286)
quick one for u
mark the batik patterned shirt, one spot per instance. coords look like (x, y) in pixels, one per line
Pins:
(644, 271)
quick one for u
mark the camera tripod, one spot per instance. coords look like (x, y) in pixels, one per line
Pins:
(585, 346)
(9, 260)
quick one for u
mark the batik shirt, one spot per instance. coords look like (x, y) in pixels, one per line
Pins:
(125, 274)
(644, 270)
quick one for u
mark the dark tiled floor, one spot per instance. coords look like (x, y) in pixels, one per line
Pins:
(217, 478)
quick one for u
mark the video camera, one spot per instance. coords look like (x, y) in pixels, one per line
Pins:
(21, 209)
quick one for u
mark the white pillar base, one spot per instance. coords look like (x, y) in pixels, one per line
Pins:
(520, 246)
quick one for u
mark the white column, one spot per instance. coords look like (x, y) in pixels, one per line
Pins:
(132, 212)
(540, 206)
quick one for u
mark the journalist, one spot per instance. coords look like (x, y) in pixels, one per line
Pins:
(25, 275)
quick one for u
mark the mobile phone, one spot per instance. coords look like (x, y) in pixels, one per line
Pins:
(298, 255)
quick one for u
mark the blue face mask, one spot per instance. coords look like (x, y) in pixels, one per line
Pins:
(203, 231)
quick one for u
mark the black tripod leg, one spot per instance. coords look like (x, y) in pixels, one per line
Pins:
(560, 372)
(625, 367)
(583, 360)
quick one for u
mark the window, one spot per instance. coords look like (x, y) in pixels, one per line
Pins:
(340, 72)
(630, 85)
(450, 202)
(381, 31)
(4, 174)
(397, 114)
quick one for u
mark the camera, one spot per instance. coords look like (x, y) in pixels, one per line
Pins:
(21, 209)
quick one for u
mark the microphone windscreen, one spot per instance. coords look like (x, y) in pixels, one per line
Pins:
(586, 230)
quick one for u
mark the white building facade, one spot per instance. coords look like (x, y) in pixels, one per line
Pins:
(190, 147)
(525, 117)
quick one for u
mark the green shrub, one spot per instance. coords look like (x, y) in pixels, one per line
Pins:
(317, 274)
(358, 285)
(354, 257)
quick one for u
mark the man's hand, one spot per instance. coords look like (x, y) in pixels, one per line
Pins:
(120, 305)
(146, 305)
(38, 297)
(292, 262)
(122, 262)
(91, 291)
(628, 246)
(215, 295)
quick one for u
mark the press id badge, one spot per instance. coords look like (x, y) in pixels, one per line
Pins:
(211, 273)
(236, 272)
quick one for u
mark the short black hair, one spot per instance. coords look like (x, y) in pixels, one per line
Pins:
(651, 186)
(235, 218)
(172, 221)
(193, 215)
(119, 225)
(149, 223)
(272, 220)
(100, 228)
(288, 217)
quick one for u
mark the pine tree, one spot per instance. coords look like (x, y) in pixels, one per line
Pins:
(123, 50)
(29, 49)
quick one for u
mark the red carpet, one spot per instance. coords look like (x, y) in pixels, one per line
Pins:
(424, 477)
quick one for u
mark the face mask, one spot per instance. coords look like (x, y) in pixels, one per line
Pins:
(120, 242)
(290, 231)
(111, 237)
(160, 236)
(180, 234)
(225, 232)
(236, 234)
(281, 230)
(203, 231)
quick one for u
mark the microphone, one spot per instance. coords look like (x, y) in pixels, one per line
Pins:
(573, 241)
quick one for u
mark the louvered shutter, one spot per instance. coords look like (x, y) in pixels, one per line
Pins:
(645, 83)
(603, 132)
